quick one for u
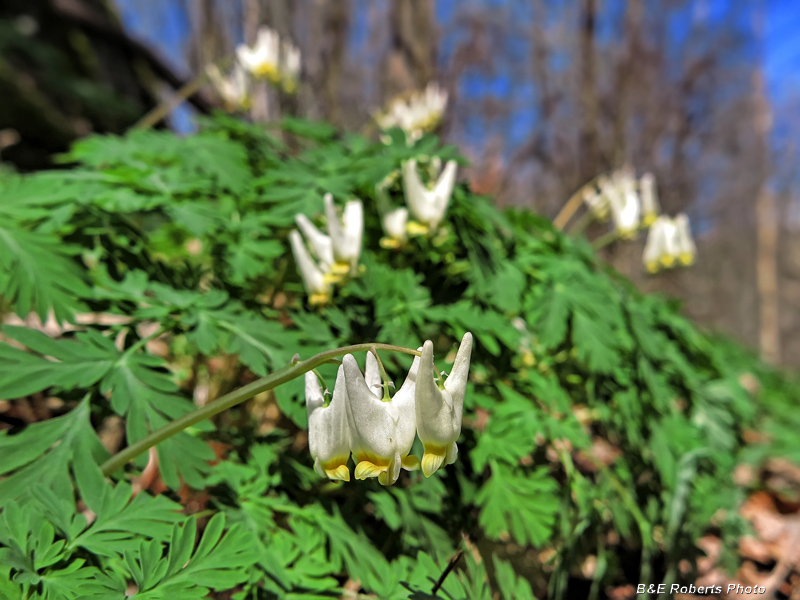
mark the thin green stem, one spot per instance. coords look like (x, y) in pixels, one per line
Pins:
(605, 239)
(235, 397)
(582, 223)
(143, 341)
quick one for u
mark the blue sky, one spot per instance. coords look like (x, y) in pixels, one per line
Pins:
(165, 25)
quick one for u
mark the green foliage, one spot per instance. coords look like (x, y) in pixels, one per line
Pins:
(177, 250)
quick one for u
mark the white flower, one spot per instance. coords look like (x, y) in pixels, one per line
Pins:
(660, 248)
(394, 223)
(321, 244)
(317, 285)
(625, 209)
(233, 89)
(328, 433)
(290, 66)
(381, 432)
(439, 408)
(647, 189)
(422, 112)
(263, 59)
(685, 245)
(597, 202)
(345, 234)
(271, 59)
(428, 205)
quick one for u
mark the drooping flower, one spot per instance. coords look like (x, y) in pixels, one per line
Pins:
(317, 285)
(381, 431)
(262, 60)
(394, 223)
(233, 89)
(625, 208)
(685, 244)
(321, 244)
(345, 234)
(271, 59)
(660, 248)
(428, 206)
(647, 191)
(597, 202)
(328, 431)
(439, 408)
(422, 112)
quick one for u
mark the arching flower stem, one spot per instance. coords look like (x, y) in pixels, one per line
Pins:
(271, 381)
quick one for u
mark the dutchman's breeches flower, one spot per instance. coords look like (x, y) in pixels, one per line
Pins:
(647, 191)
(439, 408)
(317, 285)
(381, 431)
(394, 223)
(625, 208)
(328, 433)
(685, 245)
(428, 205)
(321, 244)
(659, 248)
(345, 235)
(263, 59)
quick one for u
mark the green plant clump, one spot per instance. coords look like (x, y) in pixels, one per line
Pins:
(600, 426)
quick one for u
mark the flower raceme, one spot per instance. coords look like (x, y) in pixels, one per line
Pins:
(378, 429)
(422, 112)
(336, 254)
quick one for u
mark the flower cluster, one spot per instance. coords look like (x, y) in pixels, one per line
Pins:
(630, 203)
(669, 243)
(269, 58)
(362, 418)
(334, 256)
(420, 113)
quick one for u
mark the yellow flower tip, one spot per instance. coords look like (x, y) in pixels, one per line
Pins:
(411, 462)
(365, 469)
(415, 228)
(318, 299)
(384, 480)
(340, 269)
(389, 243)
(267, 71)
(433, 459)
(649, 219)
(528, 359)
(652, 267)
(686, 259)
(331, 278)
(340, 473)
(668, 260)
